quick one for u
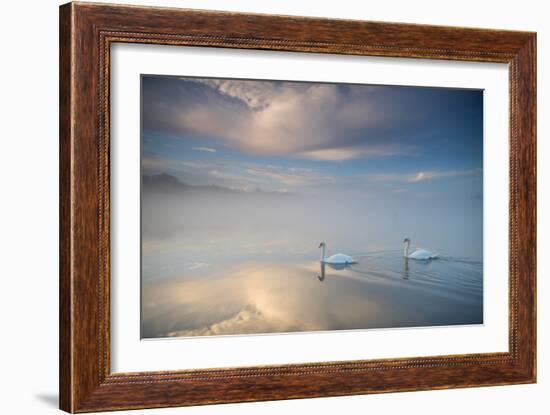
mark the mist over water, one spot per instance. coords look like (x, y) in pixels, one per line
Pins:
(217, 261)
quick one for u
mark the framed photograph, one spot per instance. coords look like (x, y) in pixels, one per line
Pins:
(258, 207)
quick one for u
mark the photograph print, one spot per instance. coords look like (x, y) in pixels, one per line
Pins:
(272, 206)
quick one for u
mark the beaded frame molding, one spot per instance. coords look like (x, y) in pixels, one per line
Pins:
(86, 33)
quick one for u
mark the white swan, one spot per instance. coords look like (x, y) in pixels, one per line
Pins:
(337, 259)
(418, 254)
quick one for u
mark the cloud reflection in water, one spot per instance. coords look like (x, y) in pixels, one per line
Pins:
(257, 297)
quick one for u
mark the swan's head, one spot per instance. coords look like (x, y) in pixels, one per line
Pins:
(321, 244)
(406, 240)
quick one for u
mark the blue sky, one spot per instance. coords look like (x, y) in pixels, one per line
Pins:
(307, 137)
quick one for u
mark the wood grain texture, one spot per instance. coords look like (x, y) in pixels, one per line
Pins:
(86, 33)
(65, 246)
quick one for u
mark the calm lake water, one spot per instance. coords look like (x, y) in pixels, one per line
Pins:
(299, 294)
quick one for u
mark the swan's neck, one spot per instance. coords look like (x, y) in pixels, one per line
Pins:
(406, 249)
(323, 253)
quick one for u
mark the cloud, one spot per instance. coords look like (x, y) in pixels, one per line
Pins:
(198, 265)
(256, 95)
(205, 149)
(422, 176)
(347, 153)
(293, 176)
(246, 176)
(201, 164)
(316, 121)
(219, 172)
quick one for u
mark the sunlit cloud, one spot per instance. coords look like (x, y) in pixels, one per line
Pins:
(205, 149)
(422, 176)
(347, 153)
(275, 118)
(256, 95)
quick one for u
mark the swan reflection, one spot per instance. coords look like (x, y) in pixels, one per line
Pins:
(337, 267)
(406, 268)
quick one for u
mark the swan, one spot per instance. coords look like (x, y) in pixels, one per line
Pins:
(418, 254)
(337, 259)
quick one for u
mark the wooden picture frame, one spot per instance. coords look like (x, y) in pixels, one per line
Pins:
(86, 33)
